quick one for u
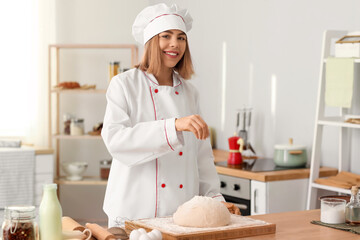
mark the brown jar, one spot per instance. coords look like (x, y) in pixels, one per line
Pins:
(105, 169)
(19, 223)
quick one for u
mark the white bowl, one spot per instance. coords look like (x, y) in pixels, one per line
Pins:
(74, 170)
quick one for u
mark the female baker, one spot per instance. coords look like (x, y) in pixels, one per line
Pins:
(160, 147)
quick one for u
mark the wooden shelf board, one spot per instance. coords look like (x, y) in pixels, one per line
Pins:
(62, 136)
(85, 181)
(337, 121)
(330, 188)
(58, 91)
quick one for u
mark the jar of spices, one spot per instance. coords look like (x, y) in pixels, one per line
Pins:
(105, 169)
(77, 127)
(19, 223)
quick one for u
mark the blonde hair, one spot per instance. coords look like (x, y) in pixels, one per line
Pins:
(151, 60)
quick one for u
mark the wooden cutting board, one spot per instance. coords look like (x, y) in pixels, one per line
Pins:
(240, 227)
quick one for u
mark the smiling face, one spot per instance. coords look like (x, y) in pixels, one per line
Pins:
(172, 45)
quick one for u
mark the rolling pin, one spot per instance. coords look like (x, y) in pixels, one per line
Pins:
(99, 232)
(69, 224)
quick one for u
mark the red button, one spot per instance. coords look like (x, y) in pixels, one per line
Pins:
(156, 90)
(181, 186)
(176, 92)
(163, 185)
(180, 153)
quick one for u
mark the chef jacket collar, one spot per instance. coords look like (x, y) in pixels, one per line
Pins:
(153, 81)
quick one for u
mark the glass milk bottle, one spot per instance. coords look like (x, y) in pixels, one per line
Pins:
(352, 210)
(50, 214)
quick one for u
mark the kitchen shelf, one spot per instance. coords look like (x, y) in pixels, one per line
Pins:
(330, 188)
(86, 136)
(337, 122)
(55, 136)
(91, 91)
(87, 180)
(344, 137)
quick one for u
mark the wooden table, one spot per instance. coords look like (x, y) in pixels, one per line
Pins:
(296, 226)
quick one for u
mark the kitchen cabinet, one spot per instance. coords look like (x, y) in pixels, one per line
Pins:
(268, 191)
(337, 121)
(56, 135)
(278, 196)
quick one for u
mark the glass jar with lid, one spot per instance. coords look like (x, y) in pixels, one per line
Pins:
(77, 127)
(19, 223)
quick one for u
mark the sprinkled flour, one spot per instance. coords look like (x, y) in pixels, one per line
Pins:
(166, 224)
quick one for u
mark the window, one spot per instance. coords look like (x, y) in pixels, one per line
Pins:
(19, 66)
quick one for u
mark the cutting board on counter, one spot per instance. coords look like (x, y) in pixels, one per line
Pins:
(240, 227)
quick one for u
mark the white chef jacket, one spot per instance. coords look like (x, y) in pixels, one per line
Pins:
(155, 168)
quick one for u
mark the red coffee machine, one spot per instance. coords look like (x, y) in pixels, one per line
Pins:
(236, 145)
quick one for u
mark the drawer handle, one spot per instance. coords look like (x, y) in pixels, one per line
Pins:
(255, 198)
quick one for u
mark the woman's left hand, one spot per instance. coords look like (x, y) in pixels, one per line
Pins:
(232, 208)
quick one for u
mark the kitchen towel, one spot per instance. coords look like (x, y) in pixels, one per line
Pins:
(342, 226)
(16, 176)
(339, 82)
(7, 143)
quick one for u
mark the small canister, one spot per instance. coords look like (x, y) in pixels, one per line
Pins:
(105, 168)
(19, 223)
(67, 122)
(114, 69)
(77, 127)
(332, 210)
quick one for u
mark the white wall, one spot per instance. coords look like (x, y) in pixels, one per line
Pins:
(263, 41)
(266, 40)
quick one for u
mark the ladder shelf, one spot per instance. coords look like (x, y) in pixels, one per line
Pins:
(322, 120)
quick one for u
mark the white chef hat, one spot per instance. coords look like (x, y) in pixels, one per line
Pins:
(158, 18)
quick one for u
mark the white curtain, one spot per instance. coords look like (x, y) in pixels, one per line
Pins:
(27, 28)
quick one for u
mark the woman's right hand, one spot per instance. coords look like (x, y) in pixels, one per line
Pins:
(193, 123)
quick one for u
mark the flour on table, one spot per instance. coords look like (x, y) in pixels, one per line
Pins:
(167, 225)
(202, 212)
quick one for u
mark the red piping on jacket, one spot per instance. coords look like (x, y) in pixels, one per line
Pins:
(156, 158)
(153, 102)
(150, 80)
(157, 83)
(217, 196)
(167, 136)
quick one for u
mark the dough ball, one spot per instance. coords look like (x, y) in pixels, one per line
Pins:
(135, 235)
(157, 233)
(152, 236)
(202, 212)
(142, 231)
(144, 237)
